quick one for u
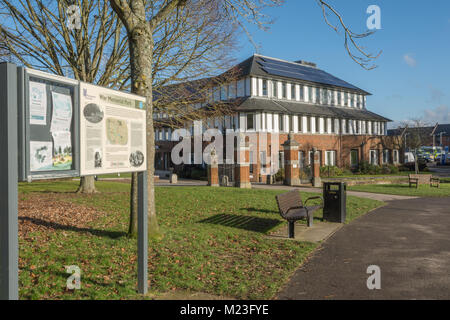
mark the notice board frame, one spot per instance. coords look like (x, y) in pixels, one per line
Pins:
(25, 128)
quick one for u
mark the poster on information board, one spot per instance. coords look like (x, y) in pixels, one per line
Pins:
(112, 131)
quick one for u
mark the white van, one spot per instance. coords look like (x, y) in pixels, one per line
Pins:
(409, 157)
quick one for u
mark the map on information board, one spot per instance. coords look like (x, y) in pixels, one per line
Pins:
(112, 131)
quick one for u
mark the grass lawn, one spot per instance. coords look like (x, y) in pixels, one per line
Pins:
(404, 189)
(214, 242)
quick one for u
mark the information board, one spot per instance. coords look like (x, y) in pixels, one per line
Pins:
(112, 131)
(48, 125)
(68, 128)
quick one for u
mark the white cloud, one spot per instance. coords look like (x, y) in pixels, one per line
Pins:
(439, 114)
(410, 61)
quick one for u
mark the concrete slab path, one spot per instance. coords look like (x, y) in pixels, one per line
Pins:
(408, 239)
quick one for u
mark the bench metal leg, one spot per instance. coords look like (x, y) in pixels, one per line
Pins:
(291, 229)
(309, 221)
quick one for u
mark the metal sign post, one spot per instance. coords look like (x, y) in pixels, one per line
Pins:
(142, 233)
(9, 240)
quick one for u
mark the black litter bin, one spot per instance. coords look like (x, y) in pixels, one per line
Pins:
(334, 201)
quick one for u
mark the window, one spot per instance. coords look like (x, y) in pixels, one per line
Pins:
(339, 98)
(325, 125)
(283, 90)
(281, 122)
(251, 162)
(330, 158)
(395, 158)
(317, 95)
(385, 156)
(224, 93)
(347, 126)
(333, 125)
(352, 100)
(374, 157)
(301, 159)
(291, 123)
(293, 95)
(308, 124)
(324, 96)
(300, 123)
(310, 94)
(333, 102)
(346, 99)
(275, 89)
(264, 87)
(250, 121)
(281, 160)
(317, 124)
(263, 159)
(358, 101)
(354, 158)
(302, 94)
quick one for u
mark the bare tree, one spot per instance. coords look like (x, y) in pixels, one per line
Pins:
(141, 19)
(37, 34)
(356, 52)
(415, 133)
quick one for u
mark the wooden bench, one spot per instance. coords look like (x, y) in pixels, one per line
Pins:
(416, 179)
(292, 209)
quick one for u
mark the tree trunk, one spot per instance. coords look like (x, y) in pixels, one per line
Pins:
(141, 55)
(133, 227)
(87, 185)
(416, 162)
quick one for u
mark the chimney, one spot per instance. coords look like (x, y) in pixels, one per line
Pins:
(306, 63)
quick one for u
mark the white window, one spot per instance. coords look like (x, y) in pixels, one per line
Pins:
(250, 121)
(385, 156)
(374, 157)
(293, 93)
(395, 158)
(224, 93)
(264, 87)
(284, 90)
(302, 94)
(281, 122)
(310, 94)
(330, 158)
(275, 89)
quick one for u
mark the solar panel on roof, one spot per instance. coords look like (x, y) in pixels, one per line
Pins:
(296, 71)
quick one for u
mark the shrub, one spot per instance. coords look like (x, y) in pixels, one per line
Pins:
(198, 174)
(394, 169)
(332, 171)
(279, 176)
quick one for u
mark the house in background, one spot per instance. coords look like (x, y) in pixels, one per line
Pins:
(270, 95)
(436, 136)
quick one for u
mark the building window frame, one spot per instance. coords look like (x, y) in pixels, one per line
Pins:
(250, 116)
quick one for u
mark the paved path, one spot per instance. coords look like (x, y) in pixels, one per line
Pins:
(408, 239)
(369, 195)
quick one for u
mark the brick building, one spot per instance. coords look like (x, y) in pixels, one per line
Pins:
(436, 136)
(319, 110)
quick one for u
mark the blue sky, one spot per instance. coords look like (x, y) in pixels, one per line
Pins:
(413, 75)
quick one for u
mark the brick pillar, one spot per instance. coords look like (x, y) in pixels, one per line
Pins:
(213, 171)
(316, 181)
(242, 167)
(291, 166)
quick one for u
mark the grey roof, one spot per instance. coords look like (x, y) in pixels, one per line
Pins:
(444, 128)
(291, 107)
(263, 66)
